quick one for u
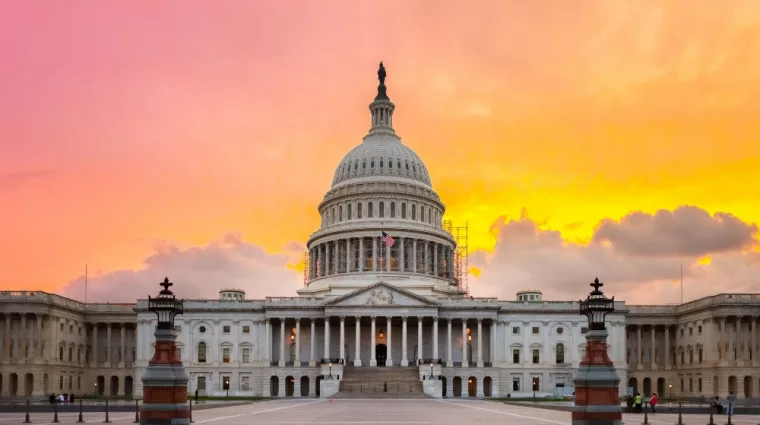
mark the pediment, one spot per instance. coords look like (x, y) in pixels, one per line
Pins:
(381, 295)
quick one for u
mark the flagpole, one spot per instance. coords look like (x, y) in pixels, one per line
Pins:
(681, 283)
(85, 283)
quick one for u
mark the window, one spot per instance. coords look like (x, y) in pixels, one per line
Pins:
(535, 330)
(699, 384)
(246, 355)
(71, 354)
(245, 383)
(560, 331)
(516, 355)
(515, 330)
(71, 329)
(414, 212)
(691, 356)
(691, 385)
(536, 357)
(359, 210)
(201, 352)
(515, 383)
(79, 382)
(225, 383)
(246, 329)
(559, 381)
(60, 382)
(683, 354)
(369, 210)
(62, 328)
(584, 330)
(202, 329)
(681, 332)
(393, 210)
(340, 213)
(560, 353)
(382, 209)
(536, 382)
(225, 355)
(681, 384)
(201, 383)
(691, 331)
(348, 210)
(226, 329)
(60, 353)
(699, 330)
(403, 210)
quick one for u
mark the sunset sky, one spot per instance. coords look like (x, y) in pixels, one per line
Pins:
(194, 139)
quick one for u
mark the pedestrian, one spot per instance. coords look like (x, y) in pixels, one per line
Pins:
(638, 402)
(730, 400)
(653, 402)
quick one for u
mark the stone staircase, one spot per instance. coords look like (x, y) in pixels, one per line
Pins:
(381, 382)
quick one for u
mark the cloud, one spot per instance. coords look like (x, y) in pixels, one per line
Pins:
(685, 231)
(525, 256)
(198, 272)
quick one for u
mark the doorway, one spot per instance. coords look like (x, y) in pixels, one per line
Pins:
(381, 354)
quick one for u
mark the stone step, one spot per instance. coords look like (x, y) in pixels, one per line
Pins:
(347, 395)
(382, 387)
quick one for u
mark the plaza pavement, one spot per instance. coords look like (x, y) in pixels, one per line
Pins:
(378, 412)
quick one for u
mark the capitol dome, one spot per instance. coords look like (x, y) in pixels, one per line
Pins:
(381, 220)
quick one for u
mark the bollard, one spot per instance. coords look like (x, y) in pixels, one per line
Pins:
(191, 411)
(680, 418)
(730, 405)
(26, 418)
(137, 412)
(712, 408)
(646, 416)
(81, 419)
(106, 421)
(55, 413)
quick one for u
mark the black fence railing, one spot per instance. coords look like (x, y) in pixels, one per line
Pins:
(334, 360)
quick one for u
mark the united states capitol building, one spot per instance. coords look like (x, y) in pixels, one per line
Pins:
(384, 304)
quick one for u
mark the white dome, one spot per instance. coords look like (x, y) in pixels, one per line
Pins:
(382, 155)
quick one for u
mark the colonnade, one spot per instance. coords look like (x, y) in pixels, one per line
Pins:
(368, 254)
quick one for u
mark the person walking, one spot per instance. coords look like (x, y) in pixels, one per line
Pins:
(731, 401)
(653, 402)
(638, 402)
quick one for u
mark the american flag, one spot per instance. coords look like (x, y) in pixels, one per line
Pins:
(389, 241)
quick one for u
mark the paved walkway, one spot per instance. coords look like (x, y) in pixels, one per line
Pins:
(377, 412)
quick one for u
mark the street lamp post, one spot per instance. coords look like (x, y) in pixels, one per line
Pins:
(164, 380)
(596, 382)
(431, 370)
(329, 366)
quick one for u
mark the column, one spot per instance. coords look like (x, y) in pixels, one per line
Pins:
(7, 336)
(361, 254)
(723, 339)
(420, 353)
(414, 255)
(267, 341)
(372, 359)
(358, 355)
(465, 361)
(313, 343)
(402, 256)
(492, 330)
(297, 360)
(652, 355)
(328, 245)
(480, 342)
(95, 350)
(109, 356)
(739, 339)
(426, 260)
(435, 259)
(639, 364)
(336, 257)
(667, 348)
(327, 338)
(404, 359)
(343, 339)
(282, 342)
(449, 359)
(348, 255)
(374, 254)
(23, 341)
(435, 338)
(752, 331)
(389, 357)
(38, 337)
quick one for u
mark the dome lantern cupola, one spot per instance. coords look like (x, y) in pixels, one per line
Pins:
(382, 108)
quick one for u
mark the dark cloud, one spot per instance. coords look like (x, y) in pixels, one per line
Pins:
(685, 231)
(198, 272)
(527, 257)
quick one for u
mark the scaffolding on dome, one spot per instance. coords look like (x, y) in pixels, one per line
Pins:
(461, 269)
(306, 268)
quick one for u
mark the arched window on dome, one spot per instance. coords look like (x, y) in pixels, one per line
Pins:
(382, 162)
(372, 163)
(407, 165)
(422, 214)
(403, 210)
(359, 210)
(398, 164)
(414, 169)
(369, 209)
(393, 210)
(356, 165)
(340, 213)
(430, 216)
(390, 163)
(364, 164)
(414, 212)
(382, 209)
(332, 216)
(348, 211)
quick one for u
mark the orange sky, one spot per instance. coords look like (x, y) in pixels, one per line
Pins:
(136, 125)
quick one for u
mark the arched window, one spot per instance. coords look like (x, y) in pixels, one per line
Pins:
(414, 212)
(430, 216)
(382, 209)
(390, 163)
(201, 352)
(560, 353)
(340, 213)
(393, 210)
(359, 210)
(372, 163)
(403, 210)
(349, 212)
(422, 214)
(369, 210)
(382, 162)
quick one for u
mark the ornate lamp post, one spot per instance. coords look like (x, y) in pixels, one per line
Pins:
(165, 380)
(596, 381)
